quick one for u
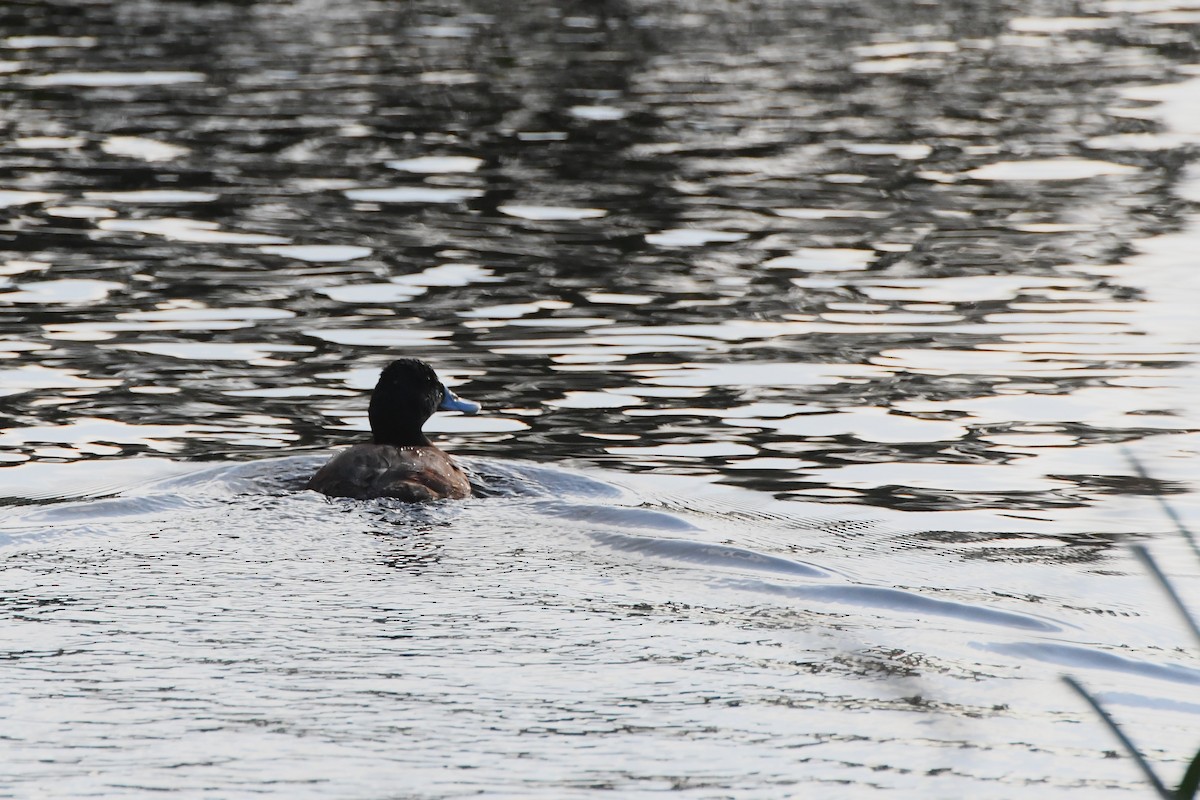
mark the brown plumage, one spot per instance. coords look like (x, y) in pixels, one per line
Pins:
(401, 462)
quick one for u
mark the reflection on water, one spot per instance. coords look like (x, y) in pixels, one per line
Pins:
(889, 229)
(219, 629)
(897, 258)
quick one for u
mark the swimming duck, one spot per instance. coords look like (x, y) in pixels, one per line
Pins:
(401, 462)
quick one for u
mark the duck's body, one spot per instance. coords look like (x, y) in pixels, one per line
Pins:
(401, 462)
(411, 474)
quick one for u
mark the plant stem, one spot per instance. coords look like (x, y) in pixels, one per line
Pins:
(1143, 555)
(1159, 787)
(1166, 507)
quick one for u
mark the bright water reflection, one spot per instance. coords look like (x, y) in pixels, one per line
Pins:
(930, 265)
(561, 636)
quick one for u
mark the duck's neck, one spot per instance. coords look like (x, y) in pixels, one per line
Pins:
(399, 435)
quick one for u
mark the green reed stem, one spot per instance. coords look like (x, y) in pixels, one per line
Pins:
(1183, 529)
(1191, 780)
(1159, 787)
(1143, 555)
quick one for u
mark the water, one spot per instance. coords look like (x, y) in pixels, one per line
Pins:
(813, 343)
(221, 633)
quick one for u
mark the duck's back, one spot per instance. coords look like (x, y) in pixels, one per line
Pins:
(411, 474)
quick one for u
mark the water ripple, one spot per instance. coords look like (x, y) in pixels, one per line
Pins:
(842, 323)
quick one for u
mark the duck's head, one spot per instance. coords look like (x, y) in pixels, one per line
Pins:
(407, 394)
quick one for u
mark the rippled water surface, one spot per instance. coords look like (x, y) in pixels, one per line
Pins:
(813, 338)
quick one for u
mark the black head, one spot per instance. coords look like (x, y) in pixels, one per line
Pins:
(407, 394)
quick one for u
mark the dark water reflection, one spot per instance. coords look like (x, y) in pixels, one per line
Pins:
(780, 244)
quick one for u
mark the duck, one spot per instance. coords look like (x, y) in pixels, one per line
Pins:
(400, 462)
